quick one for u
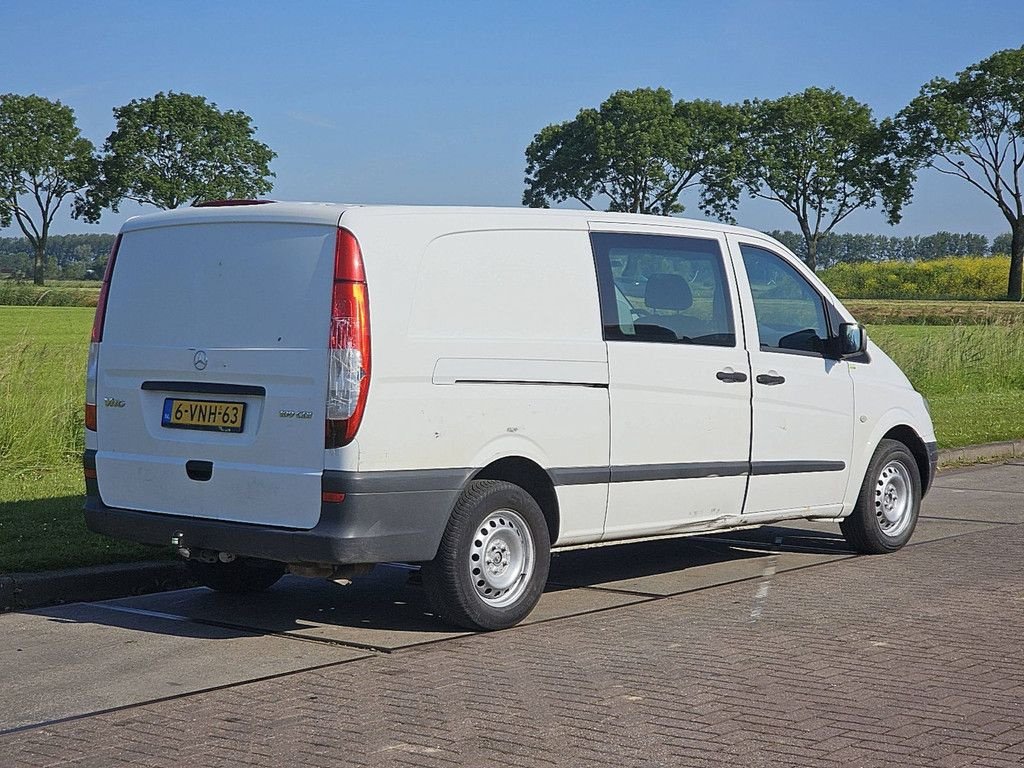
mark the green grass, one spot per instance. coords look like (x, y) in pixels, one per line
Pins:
(908, 312)
(973, 377)
(957, 360)
(42, 388)
(42, 385)
(42, 526)
(969, 419)
(56, 293)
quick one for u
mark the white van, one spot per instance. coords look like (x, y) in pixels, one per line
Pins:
(322, 387)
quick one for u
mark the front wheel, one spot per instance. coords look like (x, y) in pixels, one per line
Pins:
(493, 560)
(889, 502)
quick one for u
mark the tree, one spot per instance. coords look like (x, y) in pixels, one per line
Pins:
(43, 160)
(639, 150)
(176, 149)
(821, 155)
(973, 128)
(944, 244)
(1002, 243)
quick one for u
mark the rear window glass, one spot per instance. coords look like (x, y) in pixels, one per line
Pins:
(231, 285)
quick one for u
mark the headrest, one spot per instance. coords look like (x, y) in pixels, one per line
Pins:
(666, 290)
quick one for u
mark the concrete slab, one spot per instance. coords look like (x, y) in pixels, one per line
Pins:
(76, 659)
(560, 603)
(385, 610)
(954, 503)
(934, 529)
(1007, 478)
(673, 566)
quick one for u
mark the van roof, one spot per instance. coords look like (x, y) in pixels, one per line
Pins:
(329, 214)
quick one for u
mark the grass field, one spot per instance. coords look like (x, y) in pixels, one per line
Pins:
(69, 293)
(972, 375)
(910, 312)
(42, 527)
(42, 384)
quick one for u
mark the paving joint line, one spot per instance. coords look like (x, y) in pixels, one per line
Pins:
(599, 588)
(950, 536)
(977, 490)
(255, 631)
(968, 520)
(173, 697)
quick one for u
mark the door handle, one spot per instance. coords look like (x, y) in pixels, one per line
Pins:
(731, 376)
(771, 381)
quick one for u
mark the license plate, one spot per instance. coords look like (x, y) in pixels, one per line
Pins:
(212, 415)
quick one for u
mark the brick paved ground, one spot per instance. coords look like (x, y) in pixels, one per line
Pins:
(912, 659)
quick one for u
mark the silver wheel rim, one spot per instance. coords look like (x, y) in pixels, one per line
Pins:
(894, 498)
(501, 558)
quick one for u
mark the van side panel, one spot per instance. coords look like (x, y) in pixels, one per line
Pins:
(497, 352)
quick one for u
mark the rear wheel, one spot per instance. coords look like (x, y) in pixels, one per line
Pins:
(241, 575)
(889, 502)
(493, 560)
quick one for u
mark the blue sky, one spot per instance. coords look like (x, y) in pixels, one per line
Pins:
(422, 102)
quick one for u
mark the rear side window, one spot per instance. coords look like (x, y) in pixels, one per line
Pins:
(660, 288)
(790, 313)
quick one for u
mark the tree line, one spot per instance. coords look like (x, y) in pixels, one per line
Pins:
(848, 248)
(819, 154)
(70, 257)
(169, 150)
(78, 257)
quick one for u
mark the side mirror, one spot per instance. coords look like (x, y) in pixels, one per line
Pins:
(853, 339)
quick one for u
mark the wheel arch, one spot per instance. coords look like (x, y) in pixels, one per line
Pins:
(906, 434)
(532, 478)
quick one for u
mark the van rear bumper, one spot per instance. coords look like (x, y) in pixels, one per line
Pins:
(404, 526)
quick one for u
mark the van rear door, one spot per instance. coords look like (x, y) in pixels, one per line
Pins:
(212, 371)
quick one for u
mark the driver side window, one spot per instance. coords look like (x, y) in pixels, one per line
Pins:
(790, 313)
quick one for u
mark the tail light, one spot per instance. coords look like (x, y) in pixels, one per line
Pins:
(97, 337)
(348, 379)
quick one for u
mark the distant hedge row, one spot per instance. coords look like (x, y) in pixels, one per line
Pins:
(27, 295)
(978, 278)
(972, 278)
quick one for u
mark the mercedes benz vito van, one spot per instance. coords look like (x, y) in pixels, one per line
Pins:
(321, 387)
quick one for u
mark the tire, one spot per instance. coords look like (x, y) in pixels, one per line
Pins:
(889, 502)
(493, 560)
(240, 576)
